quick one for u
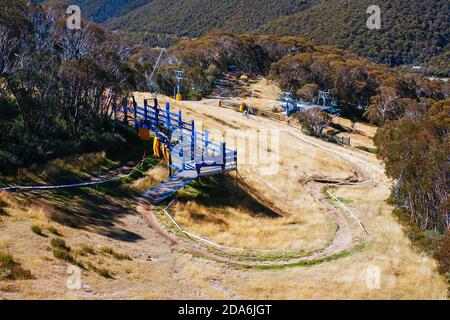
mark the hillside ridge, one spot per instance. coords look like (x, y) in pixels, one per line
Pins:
(413, 32)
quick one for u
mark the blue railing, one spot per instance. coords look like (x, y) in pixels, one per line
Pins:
(190, 149)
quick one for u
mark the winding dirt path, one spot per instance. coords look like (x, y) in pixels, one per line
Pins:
(366, 171)
(342, 241)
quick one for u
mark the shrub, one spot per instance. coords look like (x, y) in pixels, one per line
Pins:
(118, 256)
(100, 271)
(121, 256)
(53, 230)
(62, 252)
(442, 254)
(11, 270)
(63, 255)
(66, 256)
(8, 162)
(104, 273)
(106, 250)
(37, 230)
(59, 243)
(85, 250)
(314, 120)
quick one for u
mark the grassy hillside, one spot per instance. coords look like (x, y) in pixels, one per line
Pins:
(412, 31)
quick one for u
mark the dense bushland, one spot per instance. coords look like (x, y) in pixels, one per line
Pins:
(415, 150)
(205, 58)
(413, 115)
(56, 85)
(360, 86)
(413, 31)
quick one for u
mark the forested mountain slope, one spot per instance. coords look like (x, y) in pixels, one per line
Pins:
(413, 31)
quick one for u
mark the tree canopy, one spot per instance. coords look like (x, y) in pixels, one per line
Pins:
(56, 84)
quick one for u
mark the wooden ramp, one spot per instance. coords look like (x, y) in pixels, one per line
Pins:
(167, 188)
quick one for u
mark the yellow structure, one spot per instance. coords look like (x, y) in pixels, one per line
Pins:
(144, 134)
(166, 153)
(160, 150)
(219, 103)
(178, 97)
(156, 147)
(242, 107)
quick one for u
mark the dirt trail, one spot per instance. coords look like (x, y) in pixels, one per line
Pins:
(365, 167)
(342, 240)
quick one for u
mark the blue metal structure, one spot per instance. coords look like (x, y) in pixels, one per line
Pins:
(190, 150)
(326, 103)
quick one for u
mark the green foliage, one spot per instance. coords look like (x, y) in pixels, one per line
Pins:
(434, 245)
(207, 57)
(37, 230)
(53, 231)
(415, 152)
(359, 86)
(53, 83)
(100, 271)
(59, 243)
(63, 252)
(11, 270)
(314, 120)
(116, 255)
(308, 92)
(412, 31)
(87, 250)
(438, 66)
(442, 254)
(63, 255)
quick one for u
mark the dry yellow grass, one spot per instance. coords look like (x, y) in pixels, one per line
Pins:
(404, 273)
(365, 128)
(243, 228)
(158, 271)
(55, 167)
(153, 177)
(308, 226)
(264, 89)
(358, 140)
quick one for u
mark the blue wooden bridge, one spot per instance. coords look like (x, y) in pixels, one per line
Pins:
(191, 153)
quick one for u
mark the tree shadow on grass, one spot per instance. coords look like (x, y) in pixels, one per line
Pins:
(3, 205)
(93, 209)
(100, 208)
(221, 191)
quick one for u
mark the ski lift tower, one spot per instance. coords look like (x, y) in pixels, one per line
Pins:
(179, 75)
(150, 79)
